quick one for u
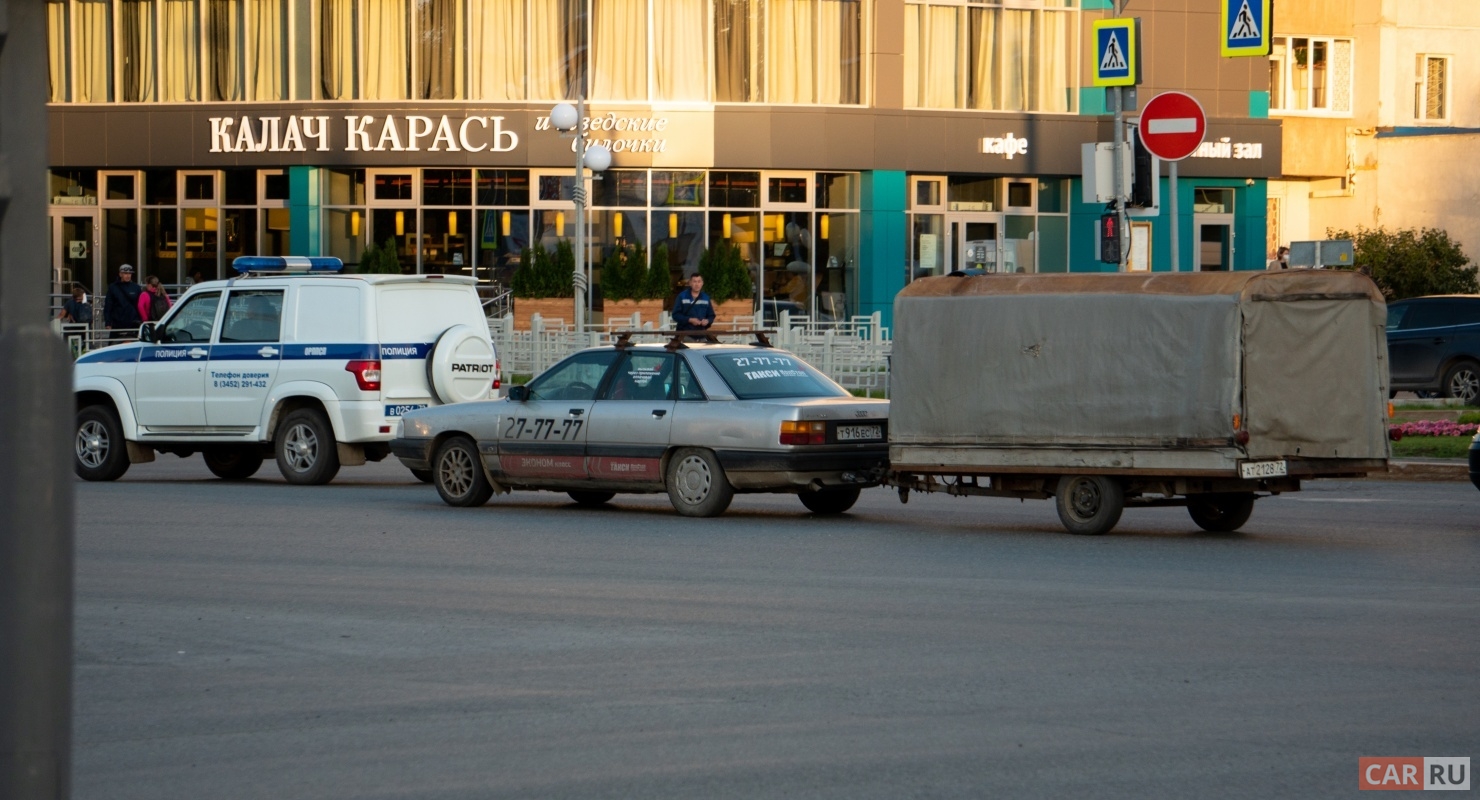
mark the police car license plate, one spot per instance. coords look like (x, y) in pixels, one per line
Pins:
(404, 408)
(1262, 469)
(859, 433)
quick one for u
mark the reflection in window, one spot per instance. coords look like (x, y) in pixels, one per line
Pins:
(252, 316)
(193, 321)
(576, 378)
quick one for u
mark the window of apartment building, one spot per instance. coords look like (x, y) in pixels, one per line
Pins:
(1310, 74)
(1013, 56)
(140, 51)
(1431, 88)
(788, 51)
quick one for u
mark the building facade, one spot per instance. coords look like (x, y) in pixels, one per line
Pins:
(1380, 124)
(845, 146)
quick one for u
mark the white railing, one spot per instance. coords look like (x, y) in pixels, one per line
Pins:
(853, 353)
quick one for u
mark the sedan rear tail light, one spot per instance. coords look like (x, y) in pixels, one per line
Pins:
(801, 432)
(367, 374)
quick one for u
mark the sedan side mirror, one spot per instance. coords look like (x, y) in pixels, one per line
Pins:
(146, 332)
(519, 394)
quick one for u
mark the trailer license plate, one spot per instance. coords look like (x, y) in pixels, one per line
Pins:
(860, 433)
(1261, 469)
(403, 409)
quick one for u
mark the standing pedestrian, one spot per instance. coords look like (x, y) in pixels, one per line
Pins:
(693, 310)
(77, 310)
(154, 301)
(121, 304)
(1281, 259)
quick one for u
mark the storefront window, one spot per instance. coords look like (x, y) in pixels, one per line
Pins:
(397, 226)
(927, 245)
(78, 187)
(346, 187)
(503, 187)
(444, 241)
(161, 245)
(1019, 243)
(445, 187)
(239, 235)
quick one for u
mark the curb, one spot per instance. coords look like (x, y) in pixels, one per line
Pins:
(1432, 470)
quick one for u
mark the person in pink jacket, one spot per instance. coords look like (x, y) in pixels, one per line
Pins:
(154, 301)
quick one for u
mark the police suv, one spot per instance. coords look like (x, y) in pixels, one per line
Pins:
(291, 359)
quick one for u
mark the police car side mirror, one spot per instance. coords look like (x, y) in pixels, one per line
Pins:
(519, 394)
(146, 332)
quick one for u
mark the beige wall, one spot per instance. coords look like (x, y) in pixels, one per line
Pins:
(1401, 181)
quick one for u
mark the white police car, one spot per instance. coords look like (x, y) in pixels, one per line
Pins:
(291, 359)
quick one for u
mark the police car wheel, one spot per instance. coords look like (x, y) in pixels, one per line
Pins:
(1221, 513)
(830, 501)
(591, 498)
(233, 462)
(99, 453)
(697, 485)
(458, 474)
(305, 448)
(1089, 505)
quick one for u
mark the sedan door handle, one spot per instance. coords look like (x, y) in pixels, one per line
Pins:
(197, 352)
(576, 412)
(267, 352)
(659, 413)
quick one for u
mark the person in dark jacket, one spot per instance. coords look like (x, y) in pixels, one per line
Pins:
(693, 310)
(121, 305)
(77, 310)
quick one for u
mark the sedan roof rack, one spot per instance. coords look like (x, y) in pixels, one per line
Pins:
(676, 338)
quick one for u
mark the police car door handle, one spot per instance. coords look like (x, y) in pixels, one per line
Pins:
(659, 413)
(197, 352)
(267, 352)
(576, 412)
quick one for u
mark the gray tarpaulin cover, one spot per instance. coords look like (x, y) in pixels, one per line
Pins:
(1161, 360)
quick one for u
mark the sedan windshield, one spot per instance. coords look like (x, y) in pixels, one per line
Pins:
(771, 374)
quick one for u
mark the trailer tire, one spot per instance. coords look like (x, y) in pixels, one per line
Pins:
(1221, 513)
(1089, 505)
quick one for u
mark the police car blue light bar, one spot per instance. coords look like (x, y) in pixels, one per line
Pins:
(286, 264)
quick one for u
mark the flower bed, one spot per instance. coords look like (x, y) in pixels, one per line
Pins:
(1435, 427)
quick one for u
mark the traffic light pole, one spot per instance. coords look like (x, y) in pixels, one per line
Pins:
(35, 457)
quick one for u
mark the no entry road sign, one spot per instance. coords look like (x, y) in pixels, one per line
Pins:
(1172, 126)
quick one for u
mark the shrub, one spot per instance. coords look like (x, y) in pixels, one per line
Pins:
(658, 282)
(545, 274)
(1410, 262)
(726, 275)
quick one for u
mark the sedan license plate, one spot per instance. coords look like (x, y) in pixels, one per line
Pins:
(860, 433)
(1262, 469)
(402, 409)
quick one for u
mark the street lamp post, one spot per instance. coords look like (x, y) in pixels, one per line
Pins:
(568, 120)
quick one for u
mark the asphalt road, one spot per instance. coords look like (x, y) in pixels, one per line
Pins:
(362, 640)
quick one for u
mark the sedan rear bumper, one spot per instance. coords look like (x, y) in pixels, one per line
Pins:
(770, 470)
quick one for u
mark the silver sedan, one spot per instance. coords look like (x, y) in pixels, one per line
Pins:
(699, 421)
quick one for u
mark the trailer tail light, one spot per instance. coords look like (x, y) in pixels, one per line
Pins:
(367, 374)
(1240, 436)
(1390, 410)
(802, 432)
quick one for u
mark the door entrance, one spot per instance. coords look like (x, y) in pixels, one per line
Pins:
(76, 252)
(1214, 252)
(974, 241)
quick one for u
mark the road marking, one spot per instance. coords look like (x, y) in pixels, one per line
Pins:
(1173, 125)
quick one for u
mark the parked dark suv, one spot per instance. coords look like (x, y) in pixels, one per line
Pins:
(1434, 346)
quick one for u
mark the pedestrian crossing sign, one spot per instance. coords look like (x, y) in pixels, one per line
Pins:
(1246, 27)
(1117, 52)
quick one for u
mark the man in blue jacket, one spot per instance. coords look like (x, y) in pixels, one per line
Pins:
(121, 305)
(693, 310)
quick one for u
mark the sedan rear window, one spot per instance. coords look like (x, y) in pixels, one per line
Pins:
(769, 374)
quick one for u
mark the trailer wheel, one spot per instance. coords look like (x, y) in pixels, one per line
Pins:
(1221, 513)
(1089, 505)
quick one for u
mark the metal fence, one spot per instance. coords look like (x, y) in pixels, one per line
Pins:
(853, 353)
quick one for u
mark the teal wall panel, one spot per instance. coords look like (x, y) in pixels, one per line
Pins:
(1259, 105)
(883, 241)
(303, 211)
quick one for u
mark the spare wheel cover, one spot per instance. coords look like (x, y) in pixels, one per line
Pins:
(461, 365)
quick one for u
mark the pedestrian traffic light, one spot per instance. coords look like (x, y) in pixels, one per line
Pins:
(1110, 238)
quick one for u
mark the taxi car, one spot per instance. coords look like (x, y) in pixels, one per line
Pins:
(700, 421)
